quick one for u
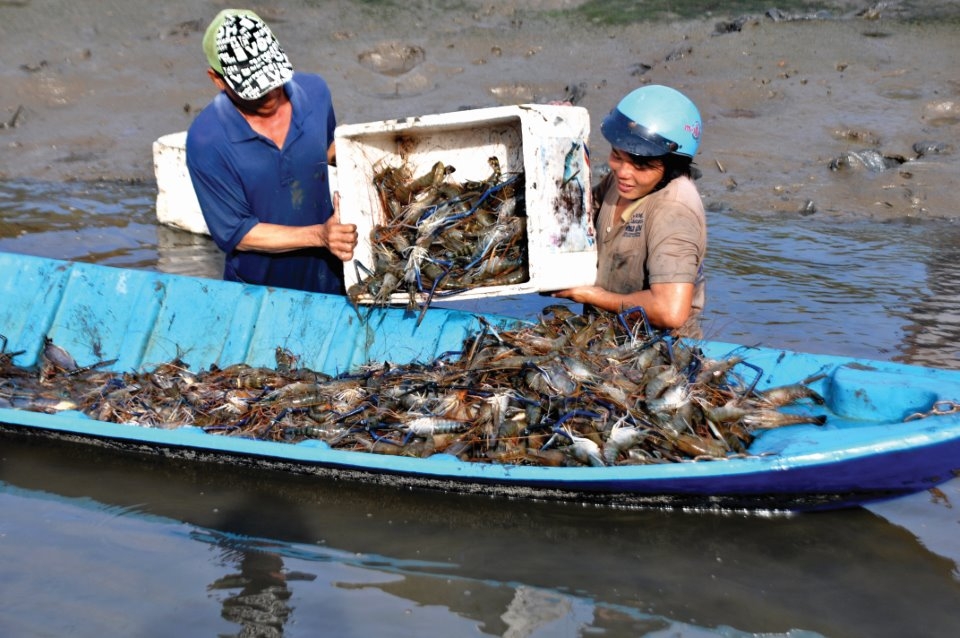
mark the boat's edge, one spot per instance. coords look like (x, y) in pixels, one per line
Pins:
(767, 503)
(735, 491)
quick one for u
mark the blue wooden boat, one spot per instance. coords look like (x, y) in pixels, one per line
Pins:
(868, 450)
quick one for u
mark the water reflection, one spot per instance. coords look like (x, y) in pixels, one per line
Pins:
(261, 604)
(933, 334)
(184, 253)
(256, 593)
(295, 553)
(834, 285)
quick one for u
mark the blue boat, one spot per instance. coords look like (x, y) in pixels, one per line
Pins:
(892, 429)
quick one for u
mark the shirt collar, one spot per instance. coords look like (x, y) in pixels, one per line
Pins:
(239, 131)
(631, 209)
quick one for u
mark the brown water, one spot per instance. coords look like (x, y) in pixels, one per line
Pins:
(851, 262)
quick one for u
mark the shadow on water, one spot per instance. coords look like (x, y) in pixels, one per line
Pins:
(285, 552)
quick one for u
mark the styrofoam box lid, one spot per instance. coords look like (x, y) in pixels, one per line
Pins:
(547, 142)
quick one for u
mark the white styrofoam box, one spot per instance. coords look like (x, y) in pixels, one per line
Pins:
(177, 203)
(547, 142)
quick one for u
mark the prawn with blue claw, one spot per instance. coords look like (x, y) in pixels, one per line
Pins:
(597, 389)
(439, 236)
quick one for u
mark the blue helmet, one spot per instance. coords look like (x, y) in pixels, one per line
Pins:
(654, 120)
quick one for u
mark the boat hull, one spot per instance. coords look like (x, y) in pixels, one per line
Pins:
(869, 449)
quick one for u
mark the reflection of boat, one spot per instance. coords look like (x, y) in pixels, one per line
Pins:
(470, 555)
(865, 452)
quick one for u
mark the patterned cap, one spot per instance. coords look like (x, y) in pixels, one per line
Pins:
(241, 47)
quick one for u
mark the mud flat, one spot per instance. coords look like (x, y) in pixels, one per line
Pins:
(849, 110)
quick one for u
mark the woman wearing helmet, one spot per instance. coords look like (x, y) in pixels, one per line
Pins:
(651, 226)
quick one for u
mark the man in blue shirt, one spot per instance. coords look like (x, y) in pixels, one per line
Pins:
(258, 156)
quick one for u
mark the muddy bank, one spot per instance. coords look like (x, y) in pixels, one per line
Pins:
(850, 111)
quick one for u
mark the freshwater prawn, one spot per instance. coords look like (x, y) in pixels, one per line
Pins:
(622, 437)
(537, 393)
(438, 236)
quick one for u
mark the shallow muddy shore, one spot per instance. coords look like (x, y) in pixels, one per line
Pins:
(801, 110)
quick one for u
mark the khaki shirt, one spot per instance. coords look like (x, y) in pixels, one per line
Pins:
(660, 238)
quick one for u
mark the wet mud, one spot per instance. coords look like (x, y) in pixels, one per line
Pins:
(793, 99)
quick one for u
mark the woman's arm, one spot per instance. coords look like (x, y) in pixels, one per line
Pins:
(666, 306)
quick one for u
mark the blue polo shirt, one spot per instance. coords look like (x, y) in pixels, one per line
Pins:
(241, 178)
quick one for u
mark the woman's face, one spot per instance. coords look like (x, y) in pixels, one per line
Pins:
(634, 181)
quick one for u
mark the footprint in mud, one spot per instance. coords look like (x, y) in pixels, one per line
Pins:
(408, 86)
(392, 58)
(390, 65)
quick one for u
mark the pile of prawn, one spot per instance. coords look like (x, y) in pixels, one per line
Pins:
(440, 237)
(566, 390)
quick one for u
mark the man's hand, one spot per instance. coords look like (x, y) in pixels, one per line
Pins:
(340, 239)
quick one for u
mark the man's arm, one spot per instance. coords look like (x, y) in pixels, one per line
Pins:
(340, 239)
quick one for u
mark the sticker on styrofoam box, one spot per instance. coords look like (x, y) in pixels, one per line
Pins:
(543, 147)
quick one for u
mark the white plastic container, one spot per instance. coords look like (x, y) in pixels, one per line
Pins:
(546, 142)
(177, 204)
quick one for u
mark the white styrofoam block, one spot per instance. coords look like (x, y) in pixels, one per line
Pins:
(177, 203)
(547, 142)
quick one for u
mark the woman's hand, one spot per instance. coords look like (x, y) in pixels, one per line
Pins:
(580, 294)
